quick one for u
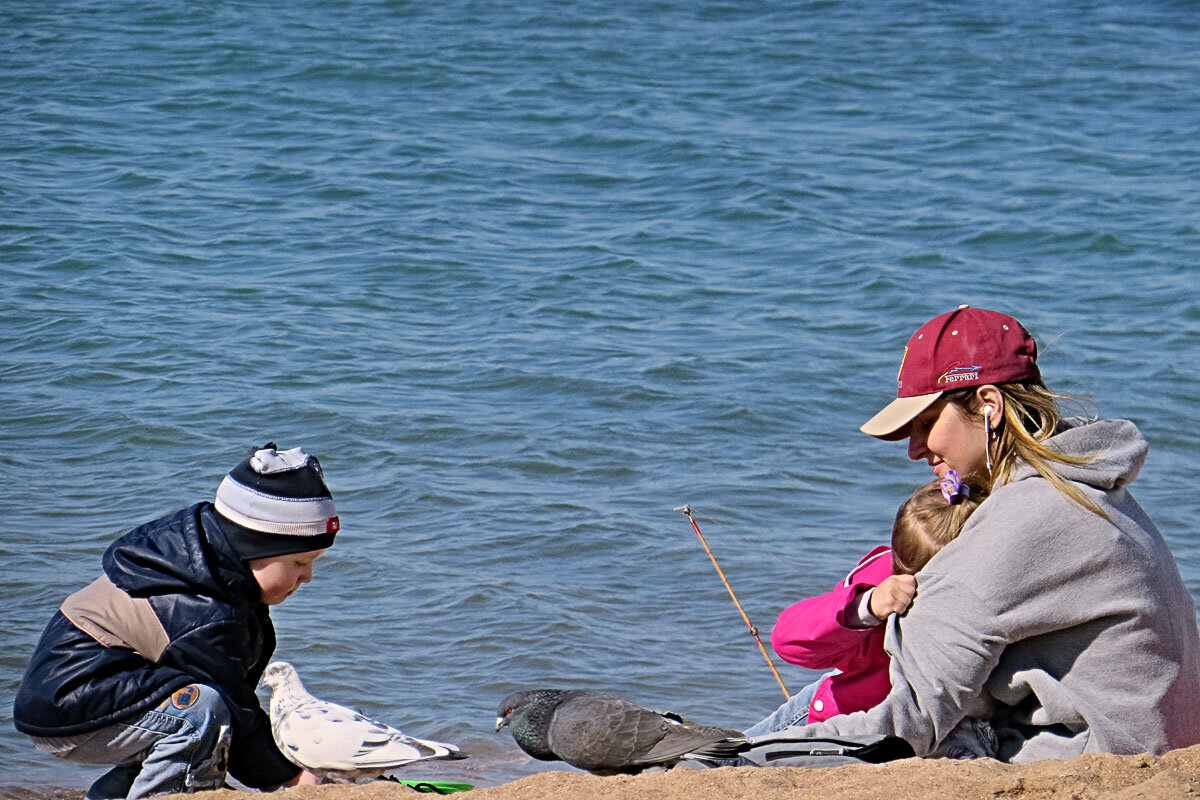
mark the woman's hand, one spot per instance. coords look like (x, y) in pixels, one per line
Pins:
(893, 596)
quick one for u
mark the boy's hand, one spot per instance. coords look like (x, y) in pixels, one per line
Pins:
(893, 596)
(305, 778)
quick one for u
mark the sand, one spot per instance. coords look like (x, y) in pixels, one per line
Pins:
(1174, 775)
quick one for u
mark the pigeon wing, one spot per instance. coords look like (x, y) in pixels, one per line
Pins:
(605, 733)
(328, 736)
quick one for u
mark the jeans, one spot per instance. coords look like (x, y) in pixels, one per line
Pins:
(794, 710)
(181, 746)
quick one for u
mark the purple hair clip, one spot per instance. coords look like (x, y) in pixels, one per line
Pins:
(953, 489)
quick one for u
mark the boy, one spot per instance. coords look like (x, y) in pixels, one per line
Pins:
(153, 666)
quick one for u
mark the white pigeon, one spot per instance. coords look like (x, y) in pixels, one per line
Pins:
(336, 743)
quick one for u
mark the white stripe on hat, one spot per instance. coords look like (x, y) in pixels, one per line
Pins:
(306, 516)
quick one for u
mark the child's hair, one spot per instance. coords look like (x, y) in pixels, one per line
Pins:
(927, 521)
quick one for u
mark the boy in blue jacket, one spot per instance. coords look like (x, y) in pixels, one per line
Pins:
(153, 666)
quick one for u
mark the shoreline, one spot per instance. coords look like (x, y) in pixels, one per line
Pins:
(1088, 777)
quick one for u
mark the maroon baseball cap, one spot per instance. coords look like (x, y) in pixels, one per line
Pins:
(964, 347)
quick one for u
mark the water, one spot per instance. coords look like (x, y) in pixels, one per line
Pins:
(528, 276)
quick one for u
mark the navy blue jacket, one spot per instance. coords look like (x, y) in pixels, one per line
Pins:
(217, 632)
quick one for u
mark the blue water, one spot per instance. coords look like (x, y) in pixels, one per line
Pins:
(527, 276)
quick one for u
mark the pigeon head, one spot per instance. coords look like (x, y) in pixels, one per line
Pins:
(527, 715)
(287, 691)
(279, 673)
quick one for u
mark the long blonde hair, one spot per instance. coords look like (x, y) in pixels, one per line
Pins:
(1031, 416)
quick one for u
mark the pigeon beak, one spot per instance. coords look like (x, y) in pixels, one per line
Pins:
(500, 723)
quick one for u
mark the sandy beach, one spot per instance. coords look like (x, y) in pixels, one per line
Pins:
(1089, 777)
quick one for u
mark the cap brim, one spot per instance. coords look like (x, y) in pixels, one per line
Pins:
(891, 424)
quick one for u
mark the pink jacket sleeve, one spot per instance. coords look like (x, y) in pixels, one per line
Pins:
(813, 634)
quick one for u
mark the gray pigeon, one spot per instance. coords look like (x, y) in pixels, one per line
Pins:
(599, 732)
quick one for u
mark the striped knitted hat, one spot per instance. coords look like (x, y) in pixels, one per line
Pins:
(277, 503)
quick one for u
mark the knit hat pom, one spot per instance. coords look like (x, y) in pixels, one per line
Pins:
(282, 496)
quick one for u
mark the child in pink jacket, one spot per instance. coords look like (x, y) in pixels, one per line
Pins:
(842, 630)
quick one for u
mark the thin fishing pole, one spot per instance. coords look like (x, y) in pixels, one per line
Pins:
(687, 510)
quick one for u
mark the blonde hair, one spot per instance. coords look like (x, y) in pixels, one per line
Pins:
(1031, 416)
(926, 522)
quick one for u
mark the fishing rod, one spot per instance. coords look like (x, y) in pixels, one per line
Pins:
(687, 510)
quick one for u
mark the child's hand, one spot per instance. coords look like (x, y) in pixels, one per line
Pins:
(893, 596)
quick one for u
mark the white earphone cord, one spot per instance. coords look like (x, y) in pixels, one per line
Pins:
(987, 436)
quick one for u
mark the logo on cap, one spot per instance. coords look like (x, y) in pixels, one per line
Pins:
(332, 525)
(958, 373)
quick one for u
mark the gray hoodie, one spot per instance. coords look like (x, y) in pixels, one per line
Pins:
(1071, 633)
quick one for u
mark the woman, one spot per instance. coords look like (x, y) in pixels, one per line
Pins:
(1058, 612)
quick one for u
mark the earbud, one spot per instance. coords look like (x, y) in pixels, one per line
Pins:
(987, 435)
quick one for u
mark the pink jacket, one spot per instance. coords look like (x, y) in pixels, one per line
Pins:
(812, 633)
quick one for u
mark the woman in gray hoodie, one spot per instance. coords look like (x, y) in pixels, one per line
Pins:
(1059, 612)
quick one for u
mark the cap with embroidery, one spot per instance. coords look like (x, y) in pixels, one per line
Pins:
(964, 347)
(278, 503)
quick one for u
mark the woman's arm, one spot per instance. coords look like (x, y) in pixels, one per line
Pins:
(942, 652)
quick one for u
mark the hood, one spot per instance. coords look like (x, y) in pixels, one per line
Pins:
(185, 552)
(1115, 447)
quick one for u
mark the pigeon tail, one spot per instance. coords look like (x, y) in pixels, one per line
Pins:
(730, 747)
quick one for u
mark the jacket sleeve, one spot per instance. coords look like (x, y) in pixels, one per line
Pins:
(215, 653)
(943, 651)
(813, 632)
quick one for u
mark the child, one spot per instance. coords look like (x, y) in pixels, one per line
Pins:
(842, 630)
(153, 666)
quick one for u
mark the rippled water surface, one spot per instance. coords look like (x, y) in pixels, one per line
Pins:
(528, 276)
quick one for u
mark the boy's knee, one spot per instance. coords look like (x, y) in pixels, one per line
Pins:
(194, 756)
(201, 705)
